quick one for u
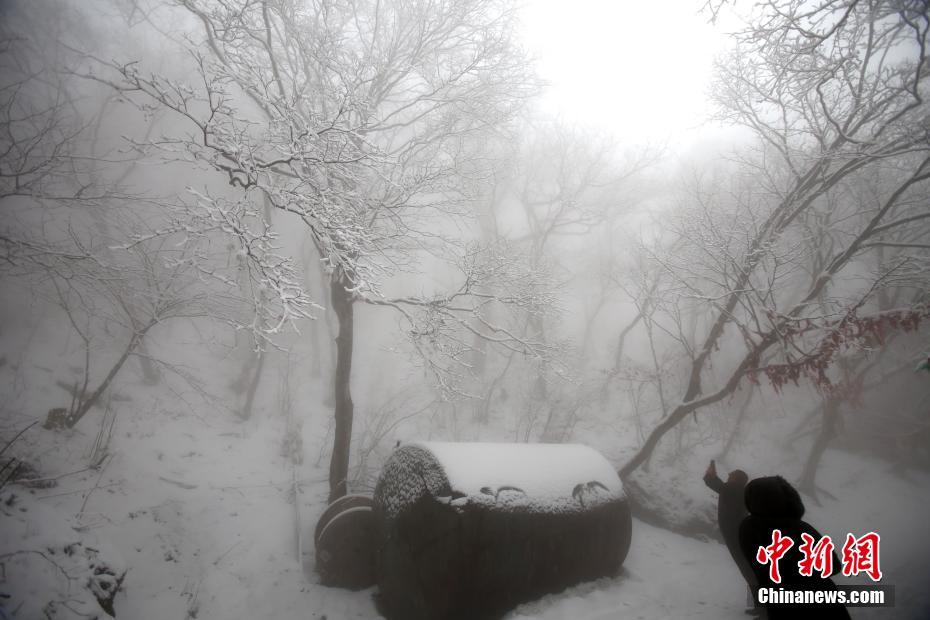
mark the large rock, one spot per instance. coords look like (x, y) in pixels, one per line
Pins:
(471, 530)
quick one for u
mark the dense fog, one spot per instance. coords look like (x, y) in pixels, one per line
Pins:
(251, 248)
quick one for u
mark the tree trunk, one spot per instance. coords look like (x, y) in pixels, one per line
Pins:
(677, 414)
(618, 358)
(253, 387)
(151, 374)
(540, 385)
(91, 400)
(479, 356)
(694, 398)
(831, 414)
(339, 464)
(681, 411)
(482, 410)
(331, 330)
(316, 346)
(737, 425)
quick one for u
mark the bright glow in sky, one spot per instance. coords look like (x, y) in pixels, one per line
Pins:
(639, 69)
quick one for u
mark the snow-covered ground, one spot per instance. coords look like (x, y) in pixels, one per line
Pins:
(199, 511)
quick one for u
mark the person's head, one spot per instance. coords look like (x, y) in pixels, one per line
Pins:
(773, 497)
(738, 476)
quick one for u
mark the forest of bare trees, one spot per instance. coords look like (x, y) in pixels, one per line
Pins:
(363, 198)
(395, 139)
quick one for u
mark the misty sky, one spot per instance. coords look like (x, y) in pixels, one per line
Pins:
(637, 69)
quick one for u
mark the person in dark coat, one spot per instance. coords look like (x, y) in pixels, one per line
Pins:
(731, 510)
(774, 504)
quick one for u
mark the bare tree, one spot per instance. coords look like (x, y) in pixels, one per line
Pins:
(833, 92)
(75, 233)
(352, 119)
(570, 184)
(38, 127)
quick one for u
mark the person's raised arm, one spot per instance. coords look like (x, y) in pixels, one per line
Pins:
(711, 479)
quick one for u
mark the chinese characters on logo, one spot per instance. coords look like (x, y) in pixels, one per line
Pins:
(773, 553)
(817, 557)
(860, 555)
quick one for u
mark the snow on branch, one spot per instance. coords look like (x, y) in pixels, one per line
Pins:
(321, 171)
(265, 276)
(497, 290)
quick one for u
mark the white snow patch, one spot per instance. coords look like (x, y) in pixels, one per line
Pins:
(538, 470)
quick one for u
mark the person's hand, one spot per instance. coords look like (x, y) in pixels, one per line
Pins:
(711, 470)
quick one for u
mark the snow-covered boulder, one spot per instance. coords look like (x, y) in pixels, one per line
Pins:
(469, 529)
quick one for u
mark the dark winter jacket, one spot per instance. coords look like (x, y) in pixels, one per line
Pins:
(731, 510)
(774, 504)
